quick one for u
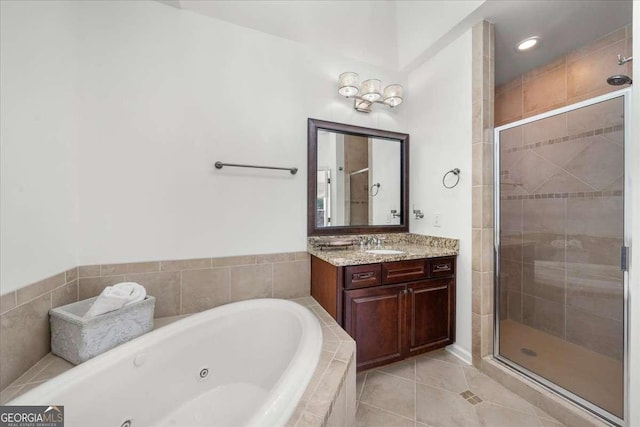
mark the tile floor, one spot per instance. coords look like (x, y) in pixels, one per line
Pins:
(439, 390)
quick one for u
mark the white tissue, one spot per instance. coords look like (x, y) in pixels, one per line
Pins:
(115, 297)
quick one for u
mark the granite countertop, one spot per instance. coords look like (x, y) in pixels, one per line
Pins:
(413, 246)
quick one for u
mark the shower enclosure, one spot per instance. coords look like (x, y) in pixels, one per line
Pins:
(561, 285)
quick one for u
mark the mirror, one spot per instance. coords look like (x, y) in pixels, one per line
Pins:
(357, 179)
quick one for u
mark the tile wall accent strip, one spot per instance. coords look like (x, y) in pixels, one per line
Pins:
(566, 138)
(577, 195)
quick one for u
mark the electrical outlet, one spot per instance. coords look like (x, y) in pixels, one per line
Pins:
(437, 220)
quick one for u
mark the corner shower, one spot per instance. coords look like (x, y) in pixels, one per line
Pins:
(561, 291)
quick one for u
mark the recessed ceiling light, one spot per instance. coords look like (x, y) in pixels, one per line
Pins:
(528, 43)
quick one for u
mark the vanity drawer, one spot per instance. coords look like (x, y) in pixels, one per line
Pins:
(404, 271)
(361, 276)
(439, 267)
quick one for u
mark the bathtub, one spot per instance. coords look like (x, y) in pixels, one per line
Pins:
(241, 364)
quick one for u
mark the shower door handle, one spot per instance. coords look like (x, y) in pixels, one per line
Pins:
(624, 258)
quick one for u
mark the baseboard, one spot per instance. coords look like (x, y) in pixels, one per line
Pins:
(460, 353)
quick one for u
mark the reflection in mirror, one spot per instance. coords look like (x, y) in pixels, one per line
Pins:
(358, 180)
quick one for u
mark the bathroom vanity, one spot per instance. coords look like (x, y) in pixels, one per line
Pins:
(395, 293)
(393, 305)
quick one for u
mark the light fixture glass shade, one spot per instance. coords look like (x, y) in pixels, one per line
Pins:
(371, 89)
(393, 95)
(348, 83)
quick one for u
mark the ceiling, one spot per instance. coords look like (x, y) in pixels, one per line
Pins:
(400, 35)
(562, 25)
(363, 30)
(386, 33)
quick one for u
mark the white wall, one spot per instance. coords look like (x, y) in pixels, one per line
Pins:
(38, 100)
(361, 29)
(113, 114)
(440, 141)
(165, 94)
(420, 24)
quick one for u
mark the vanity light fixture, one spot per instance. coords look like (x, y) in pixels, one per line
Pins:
(528, 44)
(370, 92)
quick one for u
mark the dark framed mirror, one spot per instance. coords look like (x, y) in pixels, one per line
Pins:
(358, 179)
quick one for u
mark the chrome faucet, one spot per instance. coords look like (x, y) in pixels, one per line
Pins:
(369, 241)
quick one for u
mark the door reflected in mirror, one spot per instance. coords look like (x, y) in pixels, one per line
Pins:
(358, 180)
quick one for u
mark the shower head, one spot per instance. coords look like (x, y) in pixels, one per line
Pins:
(619, 80)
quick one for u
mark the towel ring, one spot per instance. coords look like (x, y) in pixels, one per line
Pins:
(456, 172)
(377, 187)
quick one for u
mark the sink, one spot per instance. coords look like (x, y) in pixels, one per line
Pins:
(384, 251)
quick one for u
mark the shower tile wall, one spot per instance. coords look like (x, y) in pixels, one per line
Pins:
(579, 75)
(561, 226)
(356, 157)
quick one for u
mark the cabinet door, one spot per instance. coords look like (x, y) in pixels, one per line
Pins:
(375, 318)
(430, 319)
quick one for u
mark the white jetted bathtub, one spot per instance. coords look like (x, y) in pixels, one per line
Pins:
(242, 364)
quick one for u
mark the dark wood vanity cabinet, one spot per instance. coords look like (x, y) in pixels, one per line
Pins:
(430, 321)
(393, 310)
(375, 318)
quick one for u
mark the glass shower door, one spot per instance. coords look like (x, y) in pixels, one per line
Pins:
(560, 314)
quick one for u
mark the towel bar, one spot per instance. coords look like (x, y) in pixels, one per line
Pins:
(219, 165)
